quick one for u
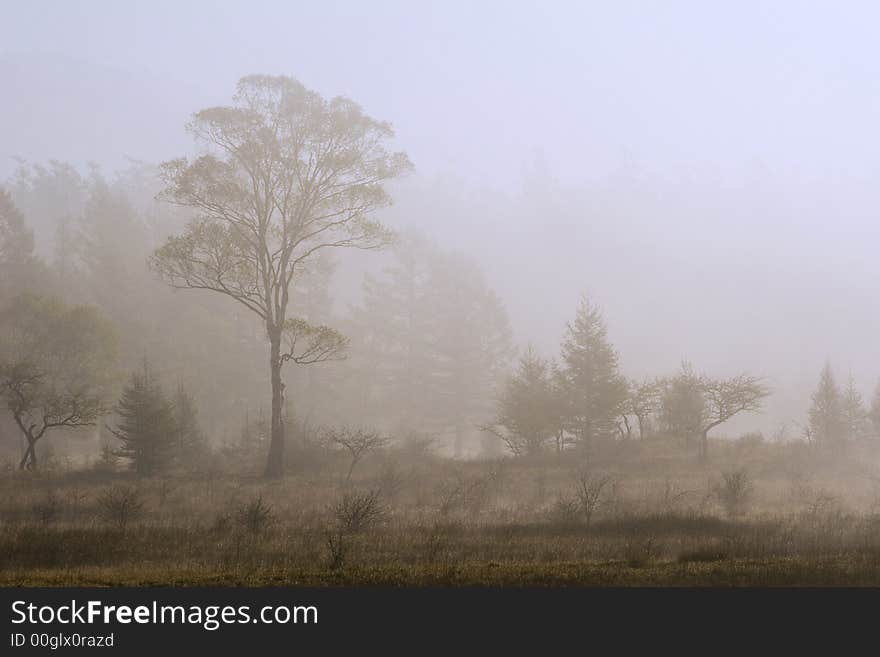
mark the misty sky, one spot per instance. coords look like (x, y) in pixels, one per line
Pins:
(709, 169)
(473, 87)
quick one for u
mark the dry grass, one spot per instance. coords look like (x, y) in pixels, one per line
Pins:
(793, 519)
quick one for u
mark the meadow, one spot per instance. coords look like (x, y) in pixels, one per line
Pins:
(633, 513)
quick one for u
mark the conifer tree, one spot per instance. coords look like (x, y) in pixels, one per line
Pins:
(188, 440)
(874, 413)
(855, 417)
(146, 428)
(527, 419)
(19, 268)
(826, 422)
(595, 392)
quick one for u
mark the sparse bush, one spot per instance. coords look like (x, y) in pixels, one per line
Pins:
(671, 498)
(464, 493)
(565, 510)
(358, 511)
(589, 494)
(255, 517)
(734, 492)
(121, 505)
(337, 549)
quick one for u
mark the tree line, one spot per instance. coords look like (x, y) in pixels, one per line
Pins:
(251, 229)
(584, 400)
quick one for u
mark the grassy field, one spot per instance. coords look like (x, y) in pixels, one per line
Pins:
(642, 515)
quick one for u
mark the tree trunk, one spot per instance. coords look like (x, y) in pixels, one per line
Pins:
(275, 464)
(350, 470)
(704, 445)
(29, 460)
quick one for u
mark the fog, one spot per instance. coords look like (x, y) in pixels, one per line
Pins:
(448, 293)
(704, 173)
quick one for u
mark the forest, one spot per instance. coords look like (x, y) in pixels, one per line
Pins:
(401, 433)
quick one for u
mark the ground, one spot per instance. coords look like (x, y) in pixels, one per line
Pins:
(634, 514)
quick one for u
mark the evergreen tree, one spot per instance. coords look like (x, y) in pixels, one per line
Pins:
(855, 417)
(188, 441)
(874, 413)
(527, 418)
(470, 346)
(146, 428)
(826, 420)
(19, 268)
(430, 344)
(594, 389)
(682, 404)
(392, 354)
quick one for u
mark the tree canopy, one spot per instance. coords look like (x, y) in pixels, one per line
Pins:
(287, 175)
(55, 366)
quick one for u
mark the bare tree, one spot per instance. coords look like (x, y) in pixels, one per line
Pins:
(289, 174)
(55, 364)
(589, 494)
(357, 442)
(727, 397)
(643, 401)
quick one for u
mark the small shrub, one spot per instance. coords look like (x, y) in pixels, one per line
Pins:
(565, 510)
(358, 511)
(337, 549)
(734, 492)
(121, 505)
(589, 494)
(256, 516)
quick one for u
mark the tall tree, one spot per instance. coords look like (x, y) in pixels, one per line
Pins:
(51, 197)
(19, 268)
(595, 391)
(431, 343)
(290, 174)
(826, 423)
(471, 345)
(392, 331)
(55, 367)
